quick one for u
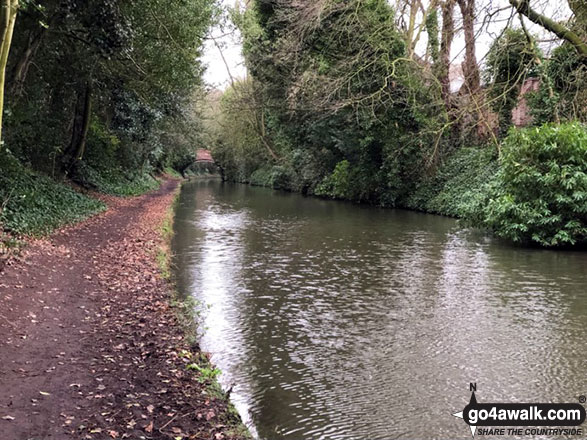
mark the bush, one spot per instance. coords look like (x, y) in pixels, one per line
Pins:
(276, 177)
(459, 184)
(261, 177)
(337, 185)
(540, 194)
(35, 204)
(281, 178)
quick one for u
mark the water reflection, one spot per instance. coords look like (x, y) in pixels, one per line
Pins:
(336, 321)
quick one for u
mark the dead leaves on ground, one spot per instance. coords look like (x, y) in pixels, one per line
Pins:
(142, 388)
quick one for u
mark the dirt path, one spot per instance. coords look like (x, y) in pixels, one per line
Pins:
(89, 347)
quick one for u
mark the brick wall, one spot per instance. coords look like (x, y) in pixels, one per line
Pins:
(521, 114)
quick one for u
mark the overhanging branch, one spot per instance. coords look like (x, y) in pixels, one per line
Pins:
(523, 7)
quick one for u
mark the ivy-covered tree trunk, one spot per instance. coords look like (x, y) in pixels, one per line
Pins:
(9, 9)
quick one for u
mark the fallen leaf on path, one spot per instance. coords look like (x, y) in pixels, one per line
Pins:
(43, 393)
(149, 428)
(7, 418)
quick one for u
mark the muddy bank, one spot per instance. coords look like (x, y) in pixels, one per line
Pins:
(90, 347)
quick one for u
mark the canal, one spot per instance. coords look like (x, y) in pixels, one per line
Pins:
(337, 321)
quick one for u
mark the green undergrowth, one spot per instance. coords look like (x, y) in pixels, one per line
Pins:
(172, 172)
(115, 181)
(458, 185)
(186, 311)
(35, 204)
(276, 177)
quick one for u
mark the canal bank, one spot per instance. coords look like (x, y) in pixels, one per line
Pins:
(90, 345)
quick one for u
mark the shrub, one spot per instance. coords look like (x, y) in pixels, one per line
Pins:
(281, 177)
(261, 177)
(337, 185)
(540, 194)
(458, 186)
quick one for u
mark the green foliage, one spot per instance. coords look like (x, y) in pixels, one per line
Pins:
(130, 69)
(340, 184)
(35, 204)
(171, 172)
(238, 146)
(544, 103)
(206, 373)
(276, 177)
(104, 147)
(432, 30)
(510, 60)
(139, 65)
(261, 177)
(540, 194)
(459, 184)
(335, 107)
(115, 181)
(563, 92)
(330, 84)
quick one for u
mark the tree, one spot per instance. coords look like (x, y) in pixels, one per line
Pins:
(8, 12)
(470, 66)
(334, 81)
(561, 31)
(510, 60)
(447, 37)
(109, 75)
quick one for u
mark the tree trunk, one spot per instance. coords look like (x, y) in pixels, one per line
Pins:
(21, 67)
(410, 37)
(558, 29)
(448, 32)
(9, 9)
(81, 125)
(470, 68)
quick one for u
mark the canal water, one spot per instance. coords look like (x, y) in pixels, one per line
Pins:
(337, 321)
